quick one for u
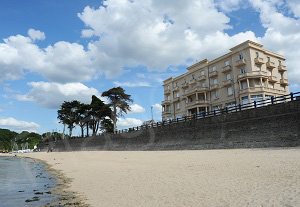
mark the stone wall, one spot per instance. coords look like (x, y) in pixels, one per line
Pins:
(270, 126)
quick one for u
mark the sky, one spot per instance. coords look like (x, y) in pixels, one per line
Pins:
(64, 50)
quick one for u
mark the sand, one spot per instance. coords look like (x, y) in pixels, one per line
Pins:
(240, 177)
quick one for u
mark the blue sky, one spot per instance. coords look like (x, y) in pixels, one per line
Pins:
(58, 50)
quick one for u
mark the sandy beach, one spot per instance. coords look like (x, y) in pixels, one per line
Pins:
(240, 177)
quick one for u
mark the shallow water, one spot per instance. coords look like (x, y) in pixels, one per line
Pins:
(24, 179)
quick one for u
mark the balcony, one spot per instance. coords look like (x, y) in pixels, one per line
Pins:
(253, 74)
(166, 102)
(273, 79)
(259, 61)
(196, 90)
(281, 68)
(284, 81)
(197, 102)
(240, 63)
(176, 99)
(193, 81)
(184, 85)
(167, 91)
(213, 74)
(214, 87)
(227, 83)
(202, 77)
(251, 89)
(166, 112)
(176, 89)
(270, 65)
(226, 69)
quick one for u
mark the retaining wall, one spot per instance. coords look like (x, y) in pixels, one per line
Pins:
(270, 126)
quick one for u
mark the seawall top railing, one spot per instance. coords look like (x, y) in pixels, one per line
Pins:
(228, 109)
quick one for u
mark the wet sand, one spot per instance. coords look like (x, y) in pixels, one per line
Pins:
(240, 177)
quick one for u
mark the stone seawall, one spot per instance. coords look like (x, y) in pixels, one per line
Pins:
(271, 126)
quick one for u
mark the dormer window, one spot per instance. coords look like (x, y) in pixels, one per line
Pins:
(193, 76)
(241, 56)
(257, 54)
(226, 63)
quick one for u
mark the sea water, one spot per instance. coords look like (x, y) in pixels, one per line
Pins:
(24, 182)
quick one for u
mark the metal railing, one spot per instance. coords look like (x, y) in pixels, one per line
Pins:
(228, 109)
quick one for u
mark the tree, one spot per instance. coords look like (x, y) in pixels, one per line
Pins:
(83, 116)
(99, 111)
(68, 114)
(119, 100)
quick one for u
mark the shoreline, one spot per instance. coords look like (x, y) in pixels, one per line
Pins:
(60, 191)
(235, 177)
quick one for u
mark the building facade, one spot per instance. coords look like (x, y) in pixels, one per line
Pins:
(248, 73)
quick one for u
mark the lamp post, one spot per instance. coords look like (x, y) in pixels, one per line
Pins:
(152, 112)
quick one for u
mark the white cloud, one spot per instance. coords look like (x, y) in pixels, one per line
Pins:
(229, 5)
(136, 109)
(86, 33)
(132, 84)
(157, 108)
(18, 125)
(62, 62)
(52, 95)
(128, 122)
(36, 34)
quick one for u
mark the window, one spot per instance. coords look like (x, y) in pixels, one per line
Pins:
(281, 74)
(230, 105)
(228, 76)
(215, 81)
(269, 73)
(282, 88)
(193, 76)
(229, 91)
(178, 105)
(268, 59)
(214, 68)
(244, 85)
(203, 85)
(184, 80)
(177, 94)
(241, 56)
(271, 85)
(245, 100)
(243, 71)
(257, 54)
(202, 73)
(168, 87)
(257, 68)
(256, 98)
(226, 63)
(216, 94)
(279, 61)
(168, 98)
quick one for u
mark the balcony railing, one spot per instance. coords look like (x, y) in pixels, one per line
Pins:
(214, 87)
(273, 79)
(176, 88)
(213, 74)
(184, 85)
(176, 99)
(197, 102)
(261, 89)
(197, 89)
(281, 68)
(259, 61)
(166, 102)
(193, 81)
(167, 91)
(240, 62)
(284, 81)
(202, 77)
(270, 65)
(226, 69)
(253, 74)
(227, 82)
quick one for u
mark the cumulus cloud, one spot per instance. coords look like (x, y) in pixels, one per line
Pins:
(52, 95)
(132, 84)
(18, 125)
(136, 109)
(128, 122)
(62, 62)
(229, 5)
(36, 34)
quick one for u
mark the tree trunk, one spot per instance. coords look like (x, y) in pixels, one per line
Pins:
(71, 129)
(87, 129)
(82, 131)
(115, 117)
(63, 135)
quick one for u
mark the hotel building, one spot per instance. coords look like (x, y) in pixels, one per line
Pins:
(248, 73)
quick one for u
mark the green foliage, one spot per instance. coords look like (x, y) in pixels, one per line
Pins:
(7, 137)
